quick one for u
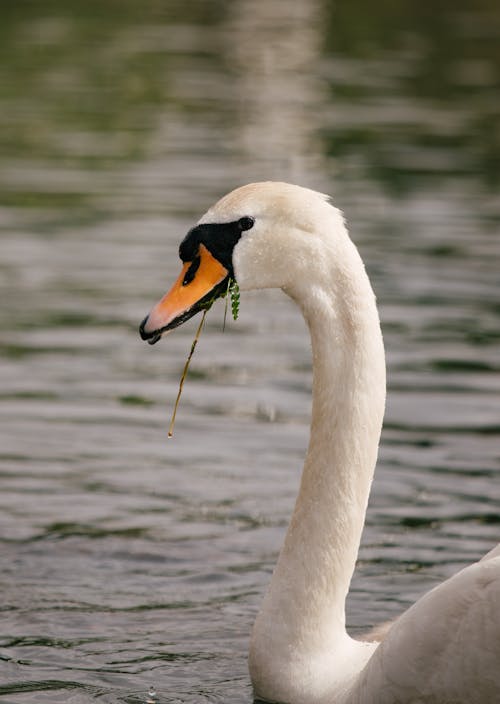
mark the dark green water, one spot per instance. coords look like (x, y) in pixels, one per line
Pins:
(129, 560)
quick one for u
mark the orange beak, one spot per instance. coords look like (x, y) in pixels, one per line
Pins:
(199, 283)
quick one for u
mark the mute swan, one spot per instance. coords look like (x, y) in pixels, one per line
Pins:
(446, 648)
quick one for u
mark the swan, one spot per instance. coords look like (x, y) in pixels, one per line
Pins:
(445, 649)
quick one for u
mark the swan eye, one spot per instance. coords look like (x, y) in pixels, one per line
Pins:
(246, 223)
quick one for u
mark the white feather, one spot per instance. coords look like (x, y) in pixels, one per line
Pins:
(446, 648)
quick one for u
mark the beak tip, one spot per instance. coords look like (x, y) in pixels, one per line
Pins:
(151, 337)
(144, 335)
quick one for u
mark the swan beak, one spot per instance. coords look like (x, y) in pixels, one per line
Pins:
(201, 281)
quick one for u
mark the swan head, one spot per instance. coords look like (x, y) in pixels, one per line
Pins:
(263, 235)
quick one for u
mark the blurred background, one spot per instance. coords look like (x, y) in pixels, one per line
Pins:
(128, 560)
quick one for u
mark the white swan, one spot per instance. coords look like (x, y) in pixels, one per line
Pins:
(446, 648)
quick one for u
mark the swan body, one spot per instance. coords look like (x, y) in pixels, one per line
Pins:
(446, 647)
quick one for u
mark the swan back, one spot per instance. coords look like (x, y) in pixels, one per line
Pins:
(445, 648)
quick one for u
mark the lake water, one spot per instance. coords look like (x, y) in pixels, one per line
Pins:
(129, 560)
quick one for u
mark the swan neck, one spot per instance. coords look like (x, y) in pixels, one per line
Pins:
(347, 411)
(303, 615)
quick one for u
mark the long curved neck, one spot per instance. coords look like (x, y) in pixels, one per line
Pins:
(303, 614)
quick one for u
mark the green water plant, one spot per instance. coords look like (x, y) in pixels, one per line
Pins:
(232, 294)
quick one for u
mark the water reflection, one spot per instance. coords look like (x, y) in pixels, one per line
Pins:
(422, 86)
(129, 560)
(273, 59)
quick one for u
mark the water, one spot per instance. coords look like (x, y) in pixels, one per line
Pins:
(129, 561)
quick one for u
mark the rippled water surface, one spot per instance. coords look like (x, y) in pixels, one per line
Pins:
(129, 560)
